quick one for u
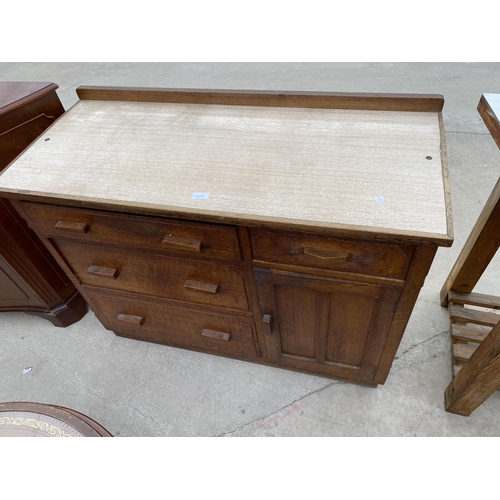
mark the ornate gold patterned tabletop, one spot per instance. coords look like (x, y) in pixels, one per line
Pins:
(40, 420)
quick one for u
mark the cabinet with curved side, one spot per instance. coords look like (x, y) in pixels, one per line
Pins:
(31, 281)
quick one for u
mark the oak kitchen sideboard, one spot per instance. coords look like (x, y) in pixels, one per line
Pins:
(31, 281)
(293, 229)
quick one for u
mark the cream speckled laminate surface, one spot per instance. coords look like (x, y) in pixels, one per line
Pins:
(329, 168)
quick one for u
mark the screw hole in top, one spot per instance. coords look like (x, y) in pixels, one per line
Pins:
(428, 157)
(48, 139)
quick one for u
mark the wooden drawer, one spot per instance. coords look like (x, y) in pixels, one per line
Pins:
(177, 237)
(196, 281)
(153, 320)
(386, 260)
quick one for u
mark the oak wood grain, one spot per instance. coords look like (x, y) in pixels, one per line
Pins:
(478, 317)
(469, 333)
(337, 100)
(474, 299)
(199, 286)
(103, 272)
(478, 378)
(152, 274)
(134, 320)
(330, 326)
(216, 335)
(462, 352)
(330, 253)
(489, 109)
(354, 195)
(71, 227)
(177, 326)
(484, 239)
(419, 268)
(175, 237)
(480, 247)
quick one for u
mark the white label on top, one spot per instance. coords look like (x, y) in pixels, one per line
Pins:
(200, 196)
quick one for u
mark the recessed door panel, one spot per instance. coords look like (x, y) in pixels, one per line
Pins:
(332, 326)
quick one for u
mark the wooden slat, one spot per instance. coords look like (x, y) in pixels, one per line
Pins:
(484, 239)
(489, 109)
(474, 299)
(469, 333)
(446, 177)
(333, 100)
(465, 315)
(477, 379)
(462, 352)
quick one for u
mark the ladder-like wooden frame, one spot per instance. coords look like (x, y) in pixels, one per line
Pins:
(475, 333)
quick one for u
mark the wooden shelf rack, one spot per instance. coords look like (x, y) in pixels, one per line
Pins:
(474, 322)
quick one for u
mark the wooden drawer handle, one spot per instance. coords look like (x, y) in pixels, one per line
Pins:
(320, 253)
(134, 320)
(267, 324)
(103, 272)
(182, 243)
(199, 286)
(71, 227)
(216, 335)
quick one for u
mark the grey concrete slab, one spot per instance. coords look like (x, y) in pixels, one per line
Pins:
(137, 388)
(141, 389)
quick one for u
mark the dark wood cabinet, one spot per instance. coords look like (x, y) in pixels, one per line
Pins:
(269, 227)
(332, 326)
(31, 281)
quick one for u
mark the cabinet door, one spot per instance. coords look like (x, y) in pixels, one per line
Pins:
(328, 326)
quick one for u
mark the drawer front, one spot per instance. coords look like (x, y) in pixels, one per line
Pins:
(195, 281)
(153, 321)
(189, 239)
(385, 260)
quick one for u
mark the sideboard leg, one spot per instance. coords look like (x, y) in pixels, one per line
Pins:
(65, 314)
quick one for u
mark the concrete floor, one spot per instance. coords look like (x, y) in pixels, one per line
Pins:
(140, 389)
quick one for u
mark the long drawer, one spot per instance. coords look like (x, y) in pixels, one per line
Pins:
(154, 321)
(385, 260)
(195, 281)
(189, 239)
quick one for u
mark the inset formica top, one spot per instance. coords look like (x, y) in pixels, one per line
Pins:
(355, 170)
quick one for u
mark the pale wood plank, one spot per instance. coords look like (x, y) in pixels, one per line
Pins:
(307, 168)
